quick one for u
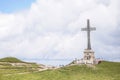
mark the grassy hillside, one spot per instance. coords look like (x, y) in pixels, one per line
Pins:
(10, 59)
(103, 71)
(11, 65)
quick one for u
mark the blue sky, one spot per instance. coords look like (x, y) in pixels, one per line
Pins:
(42, 30)
(9, 6)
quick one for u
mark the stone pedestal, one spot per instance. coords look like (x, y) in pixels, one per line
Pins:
(89, 57)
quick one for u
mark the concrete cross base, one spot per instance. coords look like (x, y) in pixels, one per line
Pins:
(89, 57)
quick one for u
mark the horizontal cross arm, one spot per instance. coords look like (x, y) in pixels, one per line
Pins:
(92, 28)
(86, 29)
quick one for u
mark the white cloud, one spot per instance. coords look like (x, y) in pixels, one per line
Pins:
(51, 29)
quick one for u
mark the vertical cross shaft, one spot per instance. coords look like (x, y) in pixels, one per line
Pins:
(88, 35)
(88, 29)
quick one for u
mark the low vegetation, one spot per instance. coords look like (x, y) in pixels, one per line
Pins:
(10, 59)
(11, 65)
(104, 71)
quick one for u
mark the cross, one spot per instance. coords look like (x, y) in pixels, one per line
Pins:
(88, 29)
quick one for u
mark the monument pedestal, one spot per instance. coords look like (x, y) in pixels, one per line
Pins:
(89, 57)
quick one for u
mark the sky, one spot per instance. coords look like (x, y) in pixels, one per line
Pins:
(49, 31)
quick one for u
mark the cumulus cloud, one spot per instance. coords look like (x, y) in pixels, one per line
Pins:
(51, 29)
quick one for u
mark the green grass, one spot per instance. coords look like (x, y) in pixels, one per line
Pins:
(6, 67)
(10, 59)
(104, 71)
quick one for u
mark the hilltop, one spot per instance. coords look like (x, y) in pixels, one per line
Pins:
(103, 71)
(11, 59)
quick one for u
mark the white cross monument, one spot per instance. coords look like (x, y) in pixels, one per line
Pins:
(89, 57)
